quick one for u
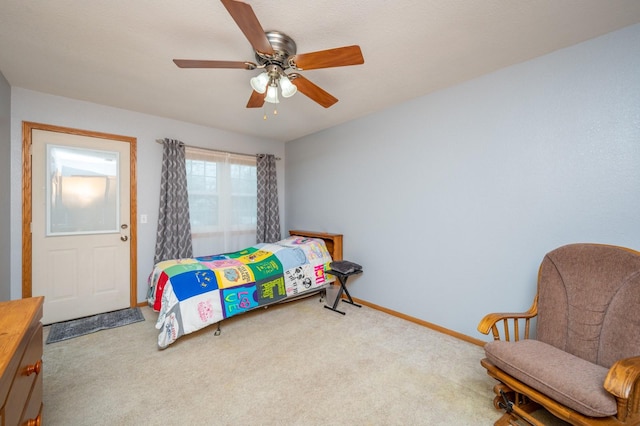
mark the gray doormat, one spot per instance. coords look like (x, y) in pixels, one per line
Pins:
(81, 326)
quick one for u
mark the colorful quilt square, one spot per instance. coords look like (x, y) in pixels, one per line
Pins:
(271, 290)
(192, 283)
(181, 268)
(171, 262)
(290, 257)
(266, 268)
(211, 258)
(241, 253)
(170, 328)
(239, 299)
(299, 279)
(201, 310)
(321, 277)
(221, 263)
(160, 283)
(314, 250)
(255, 257)
(234, 275)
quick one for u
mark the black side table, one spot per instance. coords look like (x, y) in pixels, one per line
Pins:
(343, 289)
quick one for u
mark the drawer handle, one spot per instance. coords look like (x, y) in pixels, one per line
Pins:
(35, 368)
(35, 422)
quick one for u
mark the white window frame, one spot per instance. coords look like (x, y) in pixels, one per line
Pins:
(225, 230)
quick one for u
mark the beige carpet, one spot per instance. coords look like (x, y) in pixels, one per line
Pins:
(293, 364)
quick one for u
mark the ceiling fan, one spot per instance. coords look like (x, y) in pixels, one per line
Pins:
(275, 52)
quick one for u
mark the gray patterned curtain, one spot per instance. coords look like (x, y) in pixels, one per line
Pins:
(173, 239)
(268, 220)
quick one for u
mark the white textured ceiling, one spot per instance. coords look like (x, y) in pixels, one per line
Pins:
(119, 52)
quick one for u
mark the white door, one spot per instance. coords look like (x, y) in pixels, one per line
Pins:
(80, 224)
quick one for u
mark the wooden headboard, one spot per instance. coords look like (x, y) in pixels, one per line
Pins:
(332, 241)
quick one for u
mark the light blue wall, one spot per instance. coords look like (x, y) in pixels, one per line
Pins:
(28, 105)
(5, 188)
(450, 200)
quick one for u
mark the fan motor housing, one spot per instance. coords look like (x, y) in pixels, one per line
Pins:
(283, 46)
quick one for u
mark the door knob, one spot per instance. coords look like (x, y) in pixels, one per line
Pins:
(124, 238)
(124, 226)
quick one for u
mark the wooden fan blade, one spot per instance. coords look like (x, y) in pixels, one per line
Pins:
(243, 14)
(314, 92)
(338, 57)
(191, 63)
(256, 100)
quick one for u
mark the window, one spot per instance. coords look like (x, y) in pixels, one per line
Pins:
(82, 189)
(222, 200)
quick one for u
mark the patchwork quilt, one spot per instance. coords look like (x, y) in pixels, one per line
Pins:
(190, 294)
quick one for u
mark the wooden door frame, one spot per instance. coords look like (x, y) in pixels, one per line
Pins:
(27, 246)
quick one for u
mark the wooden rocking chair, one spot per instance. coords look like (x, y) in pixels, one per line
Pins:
(584, 365)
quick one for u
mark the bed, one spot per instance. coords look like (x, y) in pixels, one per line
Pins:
(190, 294)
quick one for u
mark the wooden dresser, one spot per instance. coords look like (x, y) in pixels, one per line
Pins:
(21, 362)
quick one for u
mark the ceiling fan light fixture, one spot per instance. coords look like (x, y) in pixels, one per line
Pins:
(272, 95)
(288, 89)
(259, 82)
(276, 52)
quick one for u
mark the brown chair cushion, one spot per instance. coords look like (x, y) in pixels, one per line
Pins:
(571, 381)
(589, 302)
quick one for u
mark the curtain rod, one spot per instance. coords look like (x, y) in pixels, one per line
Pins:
(161, 141)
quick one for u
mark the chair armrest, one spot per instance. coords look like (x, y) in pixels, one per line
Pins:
(490, 322)
(623, 381)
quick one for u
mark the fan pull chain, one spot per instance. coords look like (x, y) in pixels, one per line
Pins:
(275, 105)
(264, 109)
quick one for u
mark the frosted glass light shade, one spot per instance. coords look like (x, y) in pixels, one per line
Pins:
(259, 82)
(272, 95)
(288, 88)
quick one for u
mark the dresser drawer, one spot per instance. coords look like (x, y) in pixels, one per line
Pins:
(33, 411)
(26, 377)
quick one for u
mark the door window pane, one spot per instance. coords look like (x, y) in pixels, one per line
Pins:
(82, 191)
